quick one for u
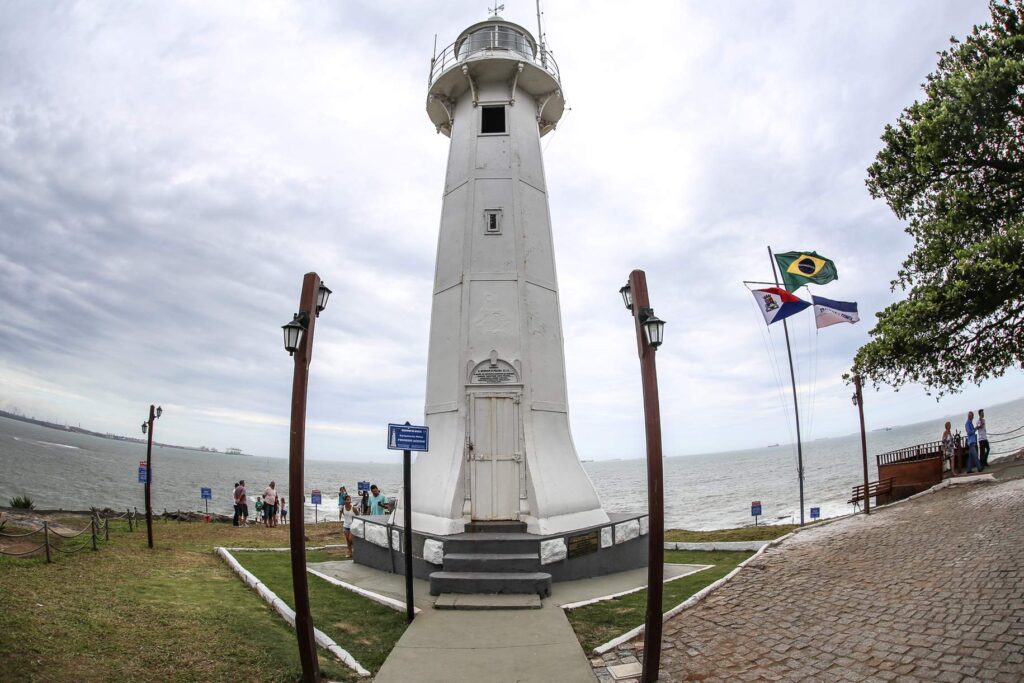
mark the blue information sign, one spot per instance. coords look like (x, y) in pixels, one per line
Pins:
(207, 494)
(314, 497)
(755, 508)
(143, 475)
(363, 486)
(815, 513)
(408, 438)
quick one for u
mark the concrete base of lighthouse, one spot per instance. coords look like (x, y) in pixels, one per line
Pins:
(500, 557)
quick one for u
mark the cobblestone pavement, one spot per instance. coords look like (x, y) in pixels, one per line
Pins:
(927, 590)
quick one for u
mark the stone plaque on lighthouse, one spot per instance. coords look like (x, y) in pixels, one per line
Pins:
(496, 400)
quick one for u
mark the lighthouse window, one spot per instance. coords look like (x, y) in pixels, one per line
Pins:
(492, 222)
(492, 119)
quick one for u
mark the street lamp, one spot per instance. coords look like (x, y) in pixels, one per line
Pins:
(147, 427)
(858, 400)
(650, 333)
(298, 342)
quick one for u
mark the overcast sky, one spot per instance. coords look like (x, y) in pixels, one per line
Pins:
(169, 170)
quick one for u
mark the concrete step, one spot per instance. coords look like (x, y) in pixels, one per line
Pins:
(488, 543)
(490, 582)
(491, 562)
(499, 526)
(477, 601)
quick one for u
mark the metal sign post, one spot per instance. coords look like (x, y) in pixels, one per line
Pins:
(755, 510)
(315, 498)
(408, 438)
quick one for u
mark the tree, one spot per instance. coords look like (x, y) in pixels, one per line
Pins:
(953, 167)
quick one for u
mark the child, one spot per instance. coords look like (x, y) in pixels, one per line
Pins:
(347, 513)
(284, 511)
(259, 508)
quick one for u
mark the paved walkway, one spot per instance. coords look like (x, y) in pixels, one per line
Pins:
(927, 590)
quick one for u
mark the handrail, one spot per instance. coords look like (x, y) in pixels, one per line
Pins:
(515, 45)
(924, 451)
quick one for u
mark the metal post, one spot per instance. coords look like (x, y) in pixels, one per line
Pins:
(128, 514)
(796, 406)
(863, 442)
(92, 523)
(46, 540)
(655, 494)
(410, 610)
(149, 475)
(296, 483)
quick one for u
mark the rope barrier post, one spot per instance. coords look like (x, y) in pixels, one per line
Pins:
(93, 524)
(128, 513)
(46, 540)
(106, 529)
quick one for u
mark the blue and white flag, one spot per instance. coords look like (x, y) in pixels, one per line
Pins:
(828, 312)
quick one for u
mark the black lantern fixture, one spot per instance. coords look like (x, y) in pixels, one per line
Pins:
(159, 411)
(293, 332)
(321, 298)
(854, 398)
(654, 328)
(627, 296)
(145, 427)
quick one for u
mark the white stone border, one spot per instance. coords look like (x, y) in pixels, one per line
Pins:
(396, 605)
(281, 550)
(582, 603)
(286, 612)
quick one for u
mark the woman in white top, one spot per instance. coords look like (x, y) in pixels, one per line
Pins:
(347, 514)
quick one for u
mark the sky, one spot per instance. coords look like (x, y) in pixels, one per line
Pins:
(170, 170)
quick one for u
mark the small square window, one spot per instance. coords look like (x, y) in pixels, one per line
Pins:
(492, 222)
(492, 119)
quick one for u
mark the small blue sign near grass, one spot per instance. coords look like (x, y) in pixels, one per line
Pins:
(815, 513)
(755, 508)
(315, 498)
(206, 493)
(143, 475)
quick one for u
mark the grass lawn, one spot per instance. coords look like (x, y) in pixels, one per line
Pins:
(762, 532)
(173, 613)
(598, 623)
(364, 628)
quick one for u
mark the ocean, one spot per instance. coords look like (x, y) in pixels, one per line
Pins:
(60, 469)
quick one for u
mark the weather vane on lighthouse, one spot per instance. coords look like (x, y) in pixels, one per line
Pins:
(497, 8)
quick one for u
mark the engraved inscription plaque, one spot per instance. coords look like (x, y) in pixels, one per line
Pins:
(494, 372)
(583, 544)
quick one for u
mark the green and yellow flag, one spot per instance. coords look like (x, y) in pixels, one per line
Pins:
(800, 267)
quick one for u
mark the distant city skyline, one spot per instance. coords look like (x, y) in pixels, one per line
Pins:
(168, 172)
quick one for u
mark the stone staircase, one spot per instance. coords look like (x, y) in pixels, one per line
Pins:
(492, 557)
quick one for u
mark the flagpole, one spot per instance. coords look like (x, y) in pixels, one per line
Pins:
(796, 407)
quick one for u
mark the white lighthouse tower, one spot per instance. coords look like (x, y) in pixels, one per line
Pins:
(496, 404)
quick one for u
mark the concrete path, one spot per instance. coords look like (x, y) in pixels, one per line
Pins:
(502, 645)
(927, 590)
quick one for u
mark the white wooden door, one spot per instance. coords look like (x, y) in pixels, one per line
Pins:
(494, 458)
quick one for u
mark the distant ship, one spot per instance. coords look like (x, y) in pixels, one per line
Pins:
(234, 451)
(772, 445)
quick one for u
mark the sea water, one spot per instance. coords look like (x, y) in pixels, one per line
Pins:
(60, 469)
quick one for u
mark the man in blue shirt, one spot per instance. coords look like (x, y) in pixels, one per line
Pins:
(378, 501)
(972, 444)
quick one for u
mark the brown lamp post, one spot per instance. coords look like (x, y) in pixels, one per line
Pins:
(858, 400)
(298, 342)
(147, 428)
(650, 332)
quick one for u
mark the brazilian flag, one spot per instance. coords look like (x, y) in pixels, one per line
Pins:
(800, 267)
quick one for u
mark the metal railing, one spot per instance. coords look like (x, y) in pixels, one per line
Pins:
(55, 541)
(492, 41)
(924, 451)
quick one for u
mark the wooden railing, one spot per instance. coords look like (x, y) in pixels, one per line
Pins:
(932, 449)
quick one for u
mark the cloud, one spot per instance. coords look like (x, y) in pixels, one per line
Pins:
(168, 171)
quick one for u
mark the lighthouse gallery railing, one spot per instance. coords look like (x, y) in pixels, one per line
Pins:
(493, 40)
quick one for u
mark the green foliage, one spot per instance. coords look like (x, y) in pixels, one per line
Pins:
(953, 168)
(763, 532)
(22, 503)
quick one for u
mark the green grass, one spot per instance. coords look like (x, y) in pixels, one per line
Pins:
(366, 629)
(598, 623)
(173, 613)
(747, 533)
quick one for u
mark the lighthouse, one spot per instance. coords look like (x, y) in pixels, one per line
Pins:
(496, 402)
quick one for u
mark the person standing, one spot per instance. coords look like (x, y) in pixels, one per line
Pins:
(348, 513)
(972, 444)
(983, 448)
(948, 450)
(284, 510)
(342, 495)
(378, 503)
(243, 503)
(234, 497)
(270, 505)
(364, 503)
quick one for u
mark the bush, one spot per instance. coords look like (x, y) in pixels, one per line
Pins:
(22, 502)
